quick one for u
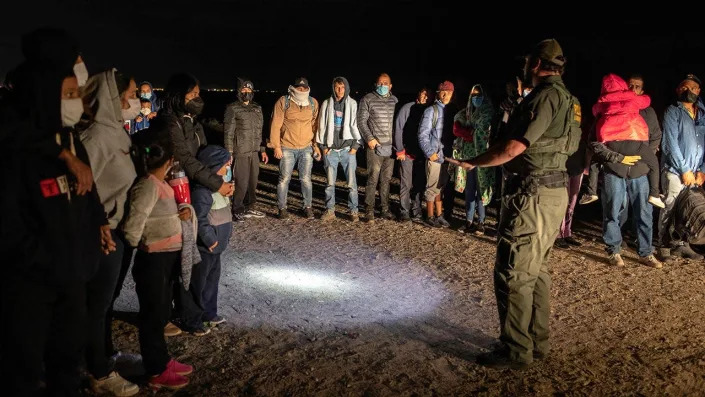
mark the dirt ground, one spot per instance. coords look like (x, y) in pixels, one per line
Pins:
(335, 309)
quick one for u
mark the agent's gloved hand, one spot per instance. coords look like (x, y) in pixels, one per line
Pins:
(630, 160)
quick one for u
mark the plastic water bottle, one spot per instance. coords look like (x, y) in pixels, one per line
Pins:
(179, 182)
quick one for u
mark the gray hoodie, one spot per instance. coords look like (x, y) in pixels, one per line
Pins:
(108, 145)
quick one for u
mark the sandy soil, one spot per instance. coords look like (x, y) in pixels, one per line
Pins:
(335, 308)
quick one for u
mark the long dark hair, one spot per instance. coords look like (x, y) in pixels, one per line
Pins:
(176, 89)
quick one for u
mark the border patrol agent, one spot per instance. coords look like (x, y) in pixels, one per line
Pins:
(542, 133)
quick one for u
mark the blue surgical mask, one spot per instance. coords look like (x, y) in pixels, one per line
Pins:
(146, 95)
(382, 90)
(476, 101)
(228, 174)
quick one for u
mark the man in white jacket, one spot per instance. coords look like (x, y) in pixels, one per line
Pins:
(339, 138)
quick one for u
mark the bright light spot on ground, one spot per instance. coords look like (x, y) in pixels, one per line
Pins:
(296, 279)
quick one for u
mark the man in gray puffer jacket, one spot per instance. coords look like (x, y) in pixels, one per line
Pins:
(375, 119)
(243, 139)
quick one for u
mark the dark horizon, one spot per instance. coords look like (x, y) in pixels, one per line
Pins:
(416, 43)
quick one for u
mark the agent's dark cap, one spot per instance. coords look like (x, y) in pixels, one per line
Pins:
(549, 50)
(691, 77)
(301, 82)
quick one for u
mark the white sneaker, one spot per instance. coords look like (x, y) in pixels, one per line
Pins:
(616, 260)
(587, 199)
(114, 384)
(253, 214)
(656, 202)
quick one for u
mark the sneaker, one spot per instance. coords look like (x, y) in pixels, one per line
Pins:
(432, 222)
(253, 214)
(179, 368)
(404, 217)
(238, 218)
(656, 202)
(283, 213)
(417, 218)
(200, 331)
(499, 359)
(308, 213)
(442, 221)
(115, 385)
(171, 329)
(616, 260)
(684, 251)
(354, 217)
(214, 321)
(561, 243)
(588, 198)
(651, 261)
(370, 215)
(168, 379)
(572, 241)
(386, 214)
(328, 215)
(479, 229)
(468, 228)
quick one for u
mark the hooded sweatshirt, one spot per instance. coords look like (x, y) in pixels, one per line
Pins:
(212, 209)
(337, 124)
(108, 145)
(618, 112)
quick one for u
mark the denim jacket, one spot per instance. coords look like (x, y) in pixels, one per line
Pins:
(683, 139)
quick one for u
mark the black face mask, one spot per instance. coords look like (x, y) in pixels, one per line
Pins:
(688, 96)
(194, 107)
(245, 96)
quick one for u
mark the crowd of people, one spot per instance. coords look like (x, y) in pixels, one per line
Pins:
(91, 160)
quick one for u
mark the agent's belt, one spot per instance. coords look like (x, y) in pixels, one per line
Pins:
(530, 183)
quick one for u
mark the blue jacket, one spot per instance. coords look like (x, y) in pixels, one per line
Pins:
(141, 125)
(683, 139)
(212, 209)
(430, 137)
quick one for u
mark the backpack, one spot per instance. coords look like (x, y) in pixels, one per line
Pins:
(687, 219)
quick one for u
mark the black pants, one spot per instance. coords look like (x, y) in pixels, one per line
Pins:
(43, 332)
(187, 313)
(412, 175)
(126, 261)
(379, 169)
(205, 278)
(246, 175)
(154, 275)
(593, 179)
(99, 298)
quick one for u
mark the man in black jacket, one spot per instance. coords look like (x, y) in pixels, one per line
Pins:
(243, 139)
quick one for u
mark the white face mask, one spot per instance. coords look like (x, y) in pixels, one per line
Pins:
(81, 73)
(71, 111)
(134, 109)
(146, 111)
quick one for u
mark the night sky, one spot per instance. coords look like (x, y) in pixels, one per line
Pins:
(417, 43)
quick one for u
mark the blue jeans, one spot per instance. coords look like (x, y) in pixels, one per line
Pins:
(613, 203)
(473, 198)
(286, 167)
(349, 163)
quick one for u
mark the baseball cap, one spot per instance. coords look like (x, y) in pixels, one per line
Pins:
(446, 86)
(549, 50)
(301, 82)
(691, 77)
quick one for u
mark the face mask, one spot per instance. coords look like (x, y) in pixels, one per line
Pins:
(146, 95)
(194, 107)
(476, 101)
(688, 96)
(146, 111)
(245, 96)
(228, 175)
(81, 73)
(382, 90)
(131, 112)
(526, 92)
(71, 111)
